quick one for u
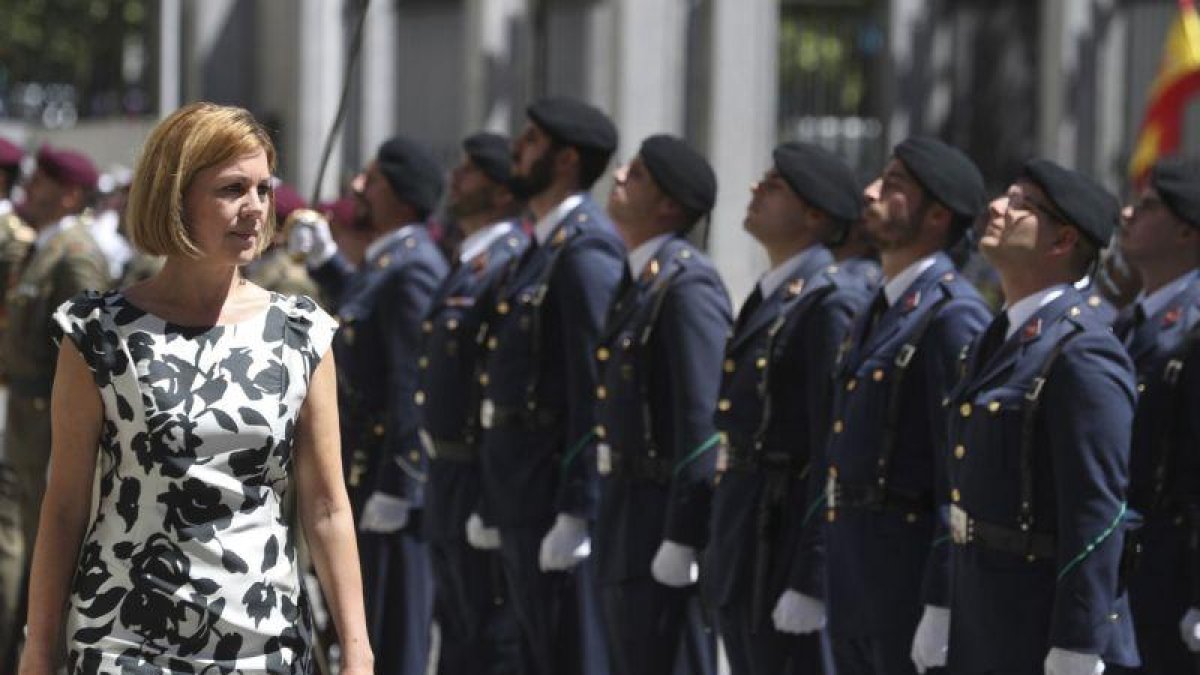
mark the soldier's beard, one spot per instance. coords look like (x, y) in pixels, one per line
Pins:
(471, 204)
(536, 181)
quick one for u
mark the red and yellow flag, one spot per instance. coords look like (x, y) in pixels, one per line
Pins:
(1178, 80)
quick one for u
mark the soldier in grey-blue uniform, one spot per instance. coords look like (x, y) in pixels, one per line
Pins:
(1160, 238)
(380, 307)
(539, 434)
(855, 254)
(886, 543)
(1040, 429)
(659, 362)
(478, 630)
(763, 569)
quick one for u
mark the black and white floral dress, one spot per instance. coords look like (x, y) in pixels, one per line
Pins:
(188, 565)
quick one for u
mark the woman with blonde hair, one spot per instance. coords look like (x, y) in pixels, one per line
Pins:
(200, 402)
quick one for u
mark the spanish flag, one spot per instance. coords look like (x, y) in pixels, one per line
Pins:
(1178, 80)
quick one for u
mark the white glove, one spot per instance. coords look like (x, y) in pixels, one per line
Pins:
(932, 639)
(1189, 627)
(384, 513)
(565, 544)
(797, 613)
(1064, 662)
(311, 240)
(481, 536)
(675, 565)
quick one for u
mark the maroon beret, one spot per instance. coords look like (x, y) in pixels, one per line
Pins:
(68, 167)
(10, 153)
(286, 201)
(342, 213)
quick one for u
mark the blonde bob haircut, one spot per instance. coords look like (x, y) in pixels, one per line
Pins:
(193, 138)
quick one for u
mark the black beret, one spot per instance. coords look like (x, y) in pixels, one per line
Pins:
(821, 178)
(574, 123)
(681, 172)
(492, 153)
(1177, 181)
(411, 170)
(1080, 201)
(946, 174)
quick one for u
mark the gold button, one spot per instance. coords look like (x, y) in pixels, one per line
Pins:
(761, 362)
(414, 456)
(39, 404)
(427, 326)
(602, 354)
(1114, 616)
(1141, 387)
(601, 432)
(955, 496)
(378, 429)
(492, 343)
(965, 410)
(502, 308)
(483, 379)
(877, 375)
(724, 405)
(730, 366)
(601, 392)
(423, 362)
(838, 425)
(994, 407)
(910, 518)
(959, 451)
(830, 516)
(452, 324)
(851, 384)
(419, 397)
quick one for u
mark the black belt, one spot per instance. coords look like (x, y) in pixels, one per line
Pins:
(740, 459)
(454, 451)
(643, 467)
(967, 530)
(493, 416)
(874, 498)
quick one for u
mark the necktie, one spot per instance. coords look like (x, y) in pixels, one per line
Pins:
(992, 339)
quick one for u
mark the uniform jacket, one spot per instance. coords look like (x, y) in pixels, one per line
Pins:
(541, 373)
(449, 376)
(774, 402)
(885, 563)
(380, 311)
(1008, 610)
(659, 361)
(1166, 433)
(67, 264)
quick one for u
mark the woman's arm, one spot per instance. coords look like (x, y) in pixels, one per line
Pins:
(76, 415)
(324, 512)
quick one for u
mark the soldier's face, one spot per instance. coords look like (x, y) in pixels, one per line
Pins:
(1150, 232)
(47, 200)
(533, 162)
(893, 220)
(635, 200)
(1020, 228)
(377, 199)
(471, 191)
(776, 212)
(225, 209)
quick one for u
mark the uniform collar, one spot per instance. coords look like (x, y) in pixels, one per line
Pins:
(1158, 300)
(5, 207)
(545, 227)
(896, 287)
(640, 256)
(51, 231)
(481, 239)
(1024, 309)
(381, 244)
(772, 280)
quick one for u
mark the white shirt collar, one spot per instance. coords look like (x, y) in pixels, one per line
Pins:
(897, 286)
(772, 280)
(51, 231)
(640, 256)
(5, 207)
(545, 227)
(481, 239)
(1024, 309)
(1157, 301)
(377, 247)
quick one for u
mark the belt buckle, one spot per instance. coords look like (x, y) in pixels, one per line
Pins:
(487, 413)
(960, 525)
(604, 458)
